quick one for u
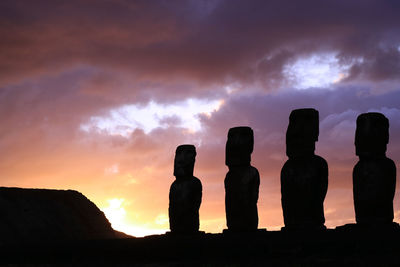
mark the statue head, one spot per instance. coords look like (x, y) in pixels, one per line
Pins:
(239, 146)
(372, 134)
(185, 156)
(302, 132)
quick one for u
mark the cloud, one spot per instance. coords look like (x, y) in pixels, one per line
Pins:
(125, 119)
(206, 41)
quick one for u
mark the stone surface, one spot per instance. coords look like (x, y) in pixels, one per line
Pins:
(304, 184)
(241, 182)
(372, 135)
(304, 176)
(302, 132)
(185, 193)
(241, 196)
(239, 146)
(374, 175)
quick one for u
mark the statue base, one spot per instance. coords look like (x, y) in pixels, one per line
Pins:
(255, 231)
(196, 233)
(370, 227)
(304, 228)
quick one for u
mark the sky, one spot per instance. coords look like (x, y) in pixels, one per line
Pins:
(96, 95)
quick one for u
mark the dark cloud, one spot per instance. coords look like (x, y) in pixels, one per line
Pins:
(207, 41)
(378, 65)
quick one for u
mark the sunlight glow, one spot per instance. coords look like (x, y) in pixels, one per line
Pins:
(317, 70)
(117, 215)
(162, 219)
(115, 212)
(124, 120)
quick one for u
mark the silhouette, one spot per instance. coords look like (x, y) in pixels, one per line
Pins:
(374, 176)
(241, 182)
(304, 176)
(185, 193)
(38, 215)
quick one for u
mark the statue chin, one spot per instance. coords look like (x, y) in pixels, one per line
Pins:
(180, 173)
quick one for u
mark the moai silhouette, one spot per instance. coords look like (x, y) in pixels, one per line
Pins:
(374, 175)
(185, 193)
(304, 176)
(241, 182)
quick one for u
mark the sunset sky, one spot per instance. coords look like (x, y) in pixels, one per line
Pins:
(96, 95)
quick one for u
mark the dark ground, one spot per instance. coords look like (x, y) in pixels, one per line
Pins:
(62, 227)
(346, 246)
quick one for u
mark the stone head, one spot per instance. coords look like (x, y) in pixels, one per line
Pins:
(185, 157)
(239, 146)
(372, 134)
(302, 132)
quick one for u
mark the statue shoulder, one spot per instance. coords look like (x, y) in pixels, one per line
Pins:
(390, 163)
(320, 160)
(174, 184)
(288, 163)
(253, 170)
(196, 181)
(390, 167)
(254, 174)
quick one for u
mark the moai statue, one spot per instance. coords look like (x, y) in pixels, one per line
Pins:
(374, 175)
(304, 176)
(185, 193)
(241, 182)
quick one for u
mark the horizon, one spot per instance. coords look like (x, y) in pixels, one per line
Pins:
(96, 96)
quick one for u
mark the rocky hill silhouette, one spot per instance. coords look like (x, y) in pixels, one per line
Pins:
(31, 215)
